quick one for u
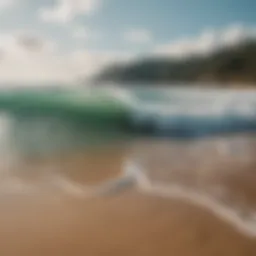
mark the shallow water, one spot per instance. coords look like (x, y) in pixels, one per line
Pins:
(55, 155)
(216, 173)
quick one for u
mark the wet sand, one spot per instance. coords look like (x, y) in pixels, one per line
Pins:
(128, 224)
(91, 167)
(138, 220)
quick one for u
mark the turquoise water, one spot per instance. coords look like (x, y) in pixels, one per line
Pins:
(43, 122)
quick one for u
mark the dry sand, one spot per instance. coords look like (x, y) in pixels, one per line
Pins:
(133, 222)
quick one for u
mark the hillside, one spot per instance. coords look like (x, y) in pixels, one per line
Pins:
(226, 66)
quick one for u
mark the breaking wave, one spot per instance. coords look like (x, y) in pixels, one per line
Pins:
(43, 124)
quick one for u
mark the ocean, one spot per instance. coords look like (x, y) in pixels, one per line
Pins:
(196, 146)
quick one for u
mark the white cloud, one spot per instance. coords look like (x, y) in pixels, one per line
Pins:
(139, 36)
(87, 63)
(66, 10)
(26, 58)
(237, 34)
(81, 33)
(6, 3)
(207, 42)
(85, 33)
(20, 43)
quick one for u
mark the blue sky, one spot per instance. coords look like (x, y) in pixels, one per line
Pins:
(166, 19)
(171, 19)
(126, 26)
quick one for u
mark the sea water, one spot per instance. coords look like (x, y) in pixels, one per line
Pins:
(42, 123)
(177, 143)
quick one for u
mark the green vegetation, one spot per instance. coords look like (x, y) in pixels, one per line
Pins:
(233, 65)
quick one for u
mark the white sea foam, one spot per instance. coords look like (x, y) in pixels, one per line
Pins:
(196, 102)
(232, 215)
(133, 174)
(191, 103)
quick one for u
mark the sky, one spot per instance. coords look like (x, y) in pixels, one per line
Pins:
(62, 41)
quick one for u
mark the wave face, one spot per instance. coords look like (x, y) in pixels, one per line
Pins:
(65, 119)
(46, 121)
(213, 173)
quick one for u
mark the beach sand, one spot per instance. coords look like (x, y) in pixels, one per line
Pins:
(135, 221)
(128, 224)
(91, 167)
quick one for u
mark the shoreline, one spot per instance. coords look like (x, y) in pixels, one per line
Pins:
(63, 207)
(128, 224)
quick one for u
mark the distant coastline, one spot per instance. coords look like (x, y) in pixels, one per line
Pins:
(228, 67)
